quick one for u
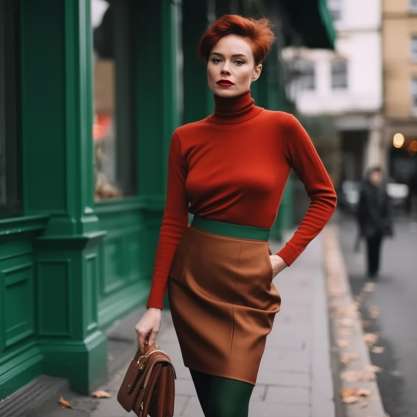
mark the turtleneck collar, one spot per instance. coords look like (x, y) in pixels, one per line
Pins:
(234, 109)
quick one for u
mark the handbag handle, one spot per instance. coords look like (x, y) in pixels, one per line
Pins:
(142, 358)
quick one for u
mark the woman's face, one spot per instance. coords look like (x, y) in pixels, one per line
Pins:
(231, 60)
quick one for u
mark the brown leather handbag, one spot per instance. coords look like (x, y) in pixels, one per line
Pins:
(148, 387)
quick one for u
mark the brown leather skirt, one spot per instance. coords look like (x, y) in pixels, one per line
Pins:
(223, 302)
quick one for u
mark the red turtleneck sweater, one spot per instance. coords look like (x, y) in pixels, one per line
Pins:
(233, 166)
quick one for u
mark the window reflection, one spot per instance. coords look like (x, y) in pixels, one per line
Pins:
(113, 176)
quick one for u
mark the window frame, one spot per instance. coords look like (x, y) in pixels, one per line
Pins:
(334, 83)
(10, 143)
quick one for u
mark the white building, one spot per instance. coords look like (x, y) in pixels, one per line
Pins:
(346, 83)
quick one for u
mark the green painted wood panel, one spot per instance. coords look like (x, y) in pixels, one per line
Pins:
(126, 261)
(56, 113)
(20, 358)
(56, 89)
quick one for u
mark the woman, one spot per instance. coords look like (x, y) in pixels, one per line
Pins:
(229, 170)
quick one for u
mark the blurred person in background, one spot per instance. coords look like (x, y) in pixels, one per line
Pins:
(374, 216)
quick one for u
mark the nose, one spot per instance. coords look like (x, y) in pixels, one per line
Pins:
(225, 68)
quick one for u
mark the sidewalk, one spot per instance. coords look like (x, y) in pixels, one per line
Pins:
(294, 378)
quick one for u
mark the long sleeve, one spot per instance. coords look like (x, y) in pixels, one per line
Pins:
(174, 222)
(305, 160)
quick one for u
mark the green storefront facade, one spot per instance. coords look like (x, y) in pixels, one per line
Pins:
(71, 260)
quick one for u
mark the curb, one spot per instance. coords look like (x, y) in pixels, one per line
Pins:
(323, 389)
(361, 396)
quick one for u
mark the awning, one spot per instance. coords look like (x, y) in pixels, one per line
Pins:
(310, 24)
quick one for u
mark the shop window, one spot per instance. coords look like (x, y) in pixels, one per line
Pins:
(10, 201)
(114, 150)
(339, 73)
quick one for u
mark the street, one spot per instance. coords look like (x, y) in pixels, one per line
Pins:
(389, 310)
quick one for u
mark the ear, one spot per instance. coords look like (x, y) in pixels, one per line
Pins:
(257, 72)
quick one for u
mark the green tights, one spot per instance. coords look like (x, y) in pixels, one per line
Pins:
(220, 396)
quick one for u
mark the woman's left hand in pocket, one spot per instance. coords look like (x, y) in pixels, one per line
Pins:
(277, 263)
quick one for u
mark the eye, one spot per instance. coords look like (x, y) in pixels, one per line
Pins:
(239, 62)
(215, 60)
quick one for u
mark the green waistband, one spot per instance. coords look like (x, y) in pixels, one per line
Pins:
(230, 229)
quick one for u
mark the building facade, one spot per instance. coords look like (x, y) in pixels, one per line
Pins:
(346, 84)
(90, 92)
(399, 31)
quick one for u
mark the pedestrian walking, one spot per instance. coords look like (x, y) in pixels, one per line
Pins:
(374, 217)
(229, 171)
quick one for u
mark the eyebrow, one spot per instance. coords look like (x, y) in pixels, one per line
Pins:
(234, 55)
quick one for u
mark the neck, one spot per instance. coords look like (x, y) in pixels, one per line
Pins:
(234, 109)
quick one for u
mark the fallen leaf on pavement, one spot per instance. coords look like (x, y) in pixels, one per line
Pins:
(348, 396)
(352, 395)
(377, 349)
(64, 403)
(370, 338)
(350, 399)
(101, 394)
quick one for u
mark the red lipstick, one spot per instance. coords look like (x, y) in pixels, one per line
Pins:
(225, 83)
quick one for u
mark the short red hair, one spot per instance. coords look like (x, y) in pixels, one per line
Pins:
(258, 31)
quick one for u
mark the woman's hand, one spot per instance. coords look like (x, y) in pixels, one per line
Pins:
(147, 327)
(278, 264)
